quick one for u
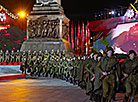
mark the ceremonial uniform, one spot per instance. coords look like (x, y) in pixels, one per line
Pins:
(12, 56)
(132, 81)
(1, 56)
(108, 83)
(18, 56)
(7, 57)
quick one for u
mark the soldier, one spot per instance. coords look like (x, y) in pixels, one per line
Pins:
(57, 64)
(83, 63)
(1, 56)
(97, 82)
(46, 54)
(7, 57)
(29, 58)
(33, 63)
(78, 64)
(75, 65)
(12, 56)
(131, 82)
(45, 63)
(108, 83)
(52, 63)
(18, 56)
(24, 65)
(90, 73)
(40, 58)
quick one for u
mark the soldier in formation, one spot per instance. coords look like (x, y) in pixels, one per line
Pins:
(98, 73)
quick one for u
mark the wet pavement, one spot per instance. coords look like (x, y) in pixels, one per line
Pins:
(41, 90)
(44, 90)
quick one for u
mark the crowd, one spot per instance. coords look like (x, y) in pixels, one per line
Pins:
(102, 75)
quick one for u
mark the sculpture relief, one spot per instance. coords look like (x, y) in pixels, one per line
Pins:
(43, 28)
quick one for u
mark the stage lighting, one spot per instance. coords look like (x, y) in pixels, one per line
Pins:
(22, 14)
(112, 12)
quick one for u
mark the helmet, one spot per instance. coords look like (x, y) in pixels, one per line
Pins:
(132, 51)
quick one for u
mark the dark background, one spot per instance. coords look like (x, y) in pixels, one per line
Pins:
(73, 8)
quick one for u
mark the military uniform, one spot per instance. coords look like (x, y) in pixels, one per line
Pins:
(51, 63)
(82, 82)
(45, 63)
(108, 83)
(132, 81)
(12, 56)
(1, 56)
(29, 59)
(7, 57)
(18, 56)
(24, 65)
(33, 63)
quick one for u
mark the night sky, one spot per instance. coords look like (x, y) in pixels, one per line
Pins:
(73, 8)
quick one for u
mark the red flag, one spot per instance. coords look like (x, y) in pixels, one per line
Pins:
(86, 34)
(78, 38)
(87, 38)
(75, 40)
(72, 36)
(83, 39)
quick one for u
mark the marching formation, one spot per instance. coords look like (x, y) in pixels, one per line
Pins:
(101, 75)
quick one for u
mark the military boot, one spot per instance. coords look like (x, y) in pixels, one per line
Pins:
(104, 99)
(125, 99)
(131, 100)
(108, 100)
(99, 98)
(96, 98)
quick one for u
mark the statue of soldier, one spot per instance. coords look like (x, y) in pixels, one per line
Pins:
(1, 56)
(7, 57)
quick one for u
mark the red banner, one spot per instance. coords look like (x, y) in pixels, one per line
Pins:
(72, 36)
(78, 39)
(75, 40)
(83, 39)
(87, 38)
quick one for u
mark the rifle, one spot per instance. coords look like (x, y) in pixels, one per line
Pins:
(93, 78)
(130, 72)
(108, 70)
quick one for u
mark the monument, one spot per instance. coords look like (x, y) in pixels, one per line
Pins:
(45, 26)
